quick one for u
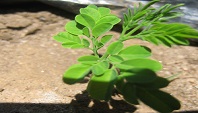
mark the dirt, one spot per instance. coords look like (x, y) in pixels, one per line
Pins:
(32, 64)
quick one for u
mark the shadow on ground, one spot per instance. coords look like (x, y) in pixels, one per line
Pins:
(81, 104)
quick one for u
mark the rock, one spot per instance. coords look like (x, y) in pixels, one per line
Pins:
(30, 29)
(5, 35)
(1, 89)
(15, 21)
(2, 26)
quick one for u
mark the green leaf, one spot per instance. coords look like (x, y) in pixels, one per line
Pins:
(128, 90)
(115, 59)
(140, 76)
(73, 28)
(72, 38)
(86, 31)
(85, 20)
(170, 34)
(100, 29)
(163, 40)
(140, 14)
(135, 51)
(76, 73)
(106, 38)
(92, 12)
(126, 20)
(104, 11)
(120, 84)
(149, 4)
(68, 40)
(99, 44)
(129, 94)
(188, 33)
(158, 83)
(92, 6)
(72, 45)
(115, 47)
(99, 68)
(61, 37)
(178, 40)
(151, 39)
(158, 100)
(85, 42)
(140, 63)
(101, 87)
(90, 59)
(112, 19)
(122, 66)
(129, 12)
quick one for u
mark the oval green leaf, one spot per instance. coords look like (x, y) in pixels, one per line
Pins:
(73, 28)
(101, 87)
(85, 20)
(90, 59)
(115, 59)
(72, 45)
(100, 29)
(86, 31)
(105, 39)
(104, 11)
(76, 73)
(142, 63)
(67, 37)
(61, 37)
(70, 41)
(85, 42)
(92, 12)
(141, 76)
(120, 84)
(158, 83)
(112, 19)
(135, 51)
(92, 6)
(99, 68)
(115, 47)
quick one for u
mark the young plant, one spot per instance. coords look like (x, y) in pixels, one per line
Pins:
(129, 70)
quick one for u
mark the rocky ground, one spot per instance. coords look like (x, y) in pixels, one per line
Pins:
(32, 64)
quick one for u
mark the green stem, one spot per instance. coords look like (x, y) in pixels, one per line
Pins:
(104, 56)
(95, 47)
(125, 29)
(123, 33)
(134, 30)
(130, 37)
(122, 36)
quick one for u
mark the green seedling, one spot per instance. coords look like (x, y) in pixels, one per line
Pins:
(129, 70)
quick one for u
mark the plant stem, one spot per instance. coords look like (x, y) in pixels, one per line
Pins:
(134, 30)
(123, 33)
(94, 47)
(129, 37)
(129, 33)
(104, 56)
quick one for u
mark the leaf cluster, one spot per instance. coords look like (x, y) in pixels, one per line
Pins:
(130, 70)
(151, 25)
(89, 27)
